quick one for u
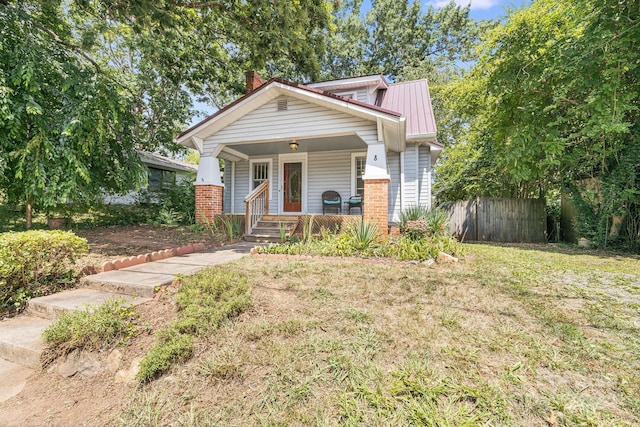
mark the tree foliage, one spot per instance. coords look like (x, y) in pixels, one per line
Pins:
(553, 104)
(85, 83)
(400, 39)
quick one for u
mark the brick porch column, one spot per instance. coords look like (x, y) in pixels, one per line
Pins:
(376, 203)
(209, 190)
(208, 203)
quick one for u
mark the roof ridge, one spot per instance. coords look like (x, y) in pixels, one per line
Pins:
(410, 81)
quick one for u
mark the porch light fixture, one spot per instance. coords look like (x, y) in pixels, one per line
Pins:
(293, 145)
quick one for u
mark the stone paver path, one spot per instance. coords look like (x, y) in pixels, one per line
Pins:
(20, 337)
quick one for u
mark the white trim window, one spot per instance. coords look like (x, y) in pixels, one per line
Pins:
(358, 165)
(259, 171)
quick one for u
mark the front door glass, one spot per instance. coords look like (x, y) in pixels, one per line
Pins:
(292, 187)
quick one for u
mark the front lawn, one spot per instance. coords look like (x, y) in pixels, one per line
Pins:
(510, 336)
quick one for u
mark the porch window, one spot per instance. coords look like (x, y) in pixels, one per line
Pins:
(260, 173)
(358, 164)
(260, 170)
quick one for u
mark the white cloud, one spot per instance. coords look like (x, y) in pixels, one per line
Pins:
(475, 4)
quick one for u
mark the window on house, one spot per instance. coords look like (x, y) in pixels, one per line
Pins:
(160, 179)
(260, 173)
(360, 163)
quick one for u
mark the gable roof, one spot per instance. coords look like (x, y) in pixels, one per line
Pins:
(304, 88)
(412, 100)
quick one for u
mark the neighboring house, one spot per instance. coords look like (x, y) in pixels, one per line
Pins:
(358, 135)
(162, 173)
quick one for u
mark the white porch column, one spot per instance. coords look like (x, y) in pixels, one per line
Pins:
(209, 171)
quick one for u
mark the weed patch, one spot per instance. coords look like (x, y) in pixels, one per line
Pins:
(89, 329)
(205, 301)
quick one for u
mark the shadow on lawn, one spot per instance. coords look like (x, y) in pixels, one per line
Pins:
(562, 248)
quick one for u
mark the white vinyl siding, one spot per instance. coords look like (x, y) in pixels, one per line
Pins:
(424, 175)
(411, 190)
(226, 179)
(393, 166)
(241, 186)
(328, 171)
(301, 119)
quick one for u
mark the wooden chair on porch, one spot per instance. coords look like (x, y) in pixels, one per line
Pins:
(331, 199)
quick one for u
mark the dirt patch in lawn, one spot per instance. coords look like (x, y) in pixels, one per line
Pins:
(109, 243)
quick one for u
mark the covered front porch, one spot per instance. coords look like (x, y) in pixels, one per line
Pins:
(298, 176)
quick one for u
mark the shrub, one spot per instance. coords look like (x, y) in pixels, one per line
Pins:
(416, 229)
(438, 221)
(90, 329)
(412, 213)
(407, 248)
(419, 221)
(36, 262)
(205, 301)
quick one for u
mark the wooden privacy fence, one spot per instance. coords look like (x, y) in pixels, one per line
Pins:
(499, 220)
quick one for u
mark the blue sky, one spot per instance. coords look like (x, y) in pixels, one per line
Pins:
(480, 9)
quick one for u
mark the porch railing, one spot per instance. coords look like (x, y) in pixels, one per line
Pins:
(256, 206)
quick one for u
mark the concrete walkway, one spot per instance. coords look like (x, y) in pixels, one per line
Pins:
(20, 337)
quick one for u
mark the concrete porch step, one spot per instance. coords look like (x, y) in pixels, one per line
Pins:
(276, 218)
(20, 340)
(277, 224)
(52, 306)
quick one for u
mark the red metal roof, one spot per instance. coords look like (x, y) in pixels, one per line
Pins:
(412, 100)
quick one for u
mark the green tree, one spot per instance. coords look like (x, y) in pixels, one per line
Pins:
(400, 40)
(84, 84)
(552, 104)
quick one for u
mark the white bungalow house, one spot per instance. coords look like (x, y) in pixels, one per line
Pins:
(284, 144)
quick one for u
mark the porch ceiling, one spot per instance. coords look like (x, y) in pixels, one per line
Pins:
(335, 143)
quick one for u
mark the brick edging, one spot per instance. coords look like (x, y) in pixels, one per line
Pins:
(150, 256)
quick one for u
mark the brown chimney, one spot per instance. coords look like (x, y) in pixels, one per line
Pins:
(254, 80)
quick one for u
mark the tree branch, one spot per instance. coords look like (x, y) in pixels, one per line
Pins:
(200, 4)
(71, 46)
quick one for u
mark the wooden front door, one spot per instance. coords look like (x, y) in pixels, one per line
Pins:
(292, 200)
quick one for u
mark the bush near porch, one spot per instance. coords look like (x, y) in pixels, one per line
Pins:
(423, 237)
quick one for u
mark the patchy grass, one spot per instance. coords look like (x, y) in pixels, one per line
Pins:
(510, 336)
(205, 301)
(89, 329)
